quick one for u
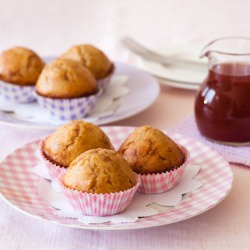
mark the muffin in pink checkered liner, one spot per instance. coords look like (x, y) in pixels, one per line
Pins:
(95, 60)
(156, 158)
(60, 148)
(67, 90)
(19, 70)
(99, 182)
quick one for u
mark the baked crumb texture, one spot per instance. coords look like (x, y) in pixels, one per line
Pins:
(65, 78)
(72, 139)
(92, 58)
(149, 150)
(99, 171)
(20, 66)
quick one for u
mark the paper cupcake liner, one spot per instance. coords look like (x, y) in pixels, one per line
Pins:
(104, 83)
(54, 170)
(16, 93)
(68, 109)
(98, 204)
(162, 182)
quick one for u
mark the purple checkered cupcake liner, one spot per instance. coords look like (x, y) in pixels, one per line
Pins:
(68, 109)
(17, 93)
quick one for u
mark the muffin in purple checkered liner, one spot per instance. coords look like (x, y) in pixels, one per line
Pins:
(61, 147)
(156, 158)
(19, 70)
(67, 90)
(95, 60)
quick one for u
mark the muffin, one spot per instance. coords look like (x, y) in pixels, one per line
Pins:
(149, 150)
(99, 171)
(60, 148)
(64, 78)
(155, 157)
(19, 70)
(66, 89)
(99, 176)
(94, 59)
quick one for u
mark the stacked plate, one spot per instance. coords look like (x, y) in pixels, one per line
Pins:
(180, 76)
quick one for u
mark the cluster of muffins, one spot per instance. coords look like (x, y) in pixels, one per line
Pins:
(100, 181)
(66, 88)
(93, 173)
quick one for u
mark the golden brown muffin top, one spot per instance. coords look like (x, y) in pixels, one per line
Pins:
(20, 66)
(92, 58)
(65, 78)
(99, 171)
(72, 139)
(149, 150)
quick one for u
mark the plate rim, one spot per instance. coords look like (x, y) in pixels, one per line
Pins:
(190, 85)
(125, 226)
(116, 228)
(177, 84)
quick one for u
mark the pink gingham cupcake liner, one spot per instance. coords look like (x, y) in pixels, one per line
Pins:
(98, 204)
(68, 109)
(162, 182)
(54, 170)
(17, 93)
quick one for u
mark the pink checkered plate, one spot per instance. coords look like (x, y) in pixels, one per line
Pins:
(140, 84)
(18, 185)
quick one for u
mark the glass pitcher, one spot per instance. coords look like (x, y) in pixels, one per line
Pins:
(222, 105)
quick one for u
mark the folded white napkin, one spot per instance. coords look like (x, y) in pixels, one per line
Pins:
(141, 206)
(234, 154)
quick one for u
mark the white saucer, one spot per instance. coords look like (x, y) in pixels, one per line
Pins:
(178, 76)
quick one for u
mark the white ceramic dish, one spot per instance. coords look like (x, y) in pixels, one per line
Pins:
(178, 76)
(140, 84)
